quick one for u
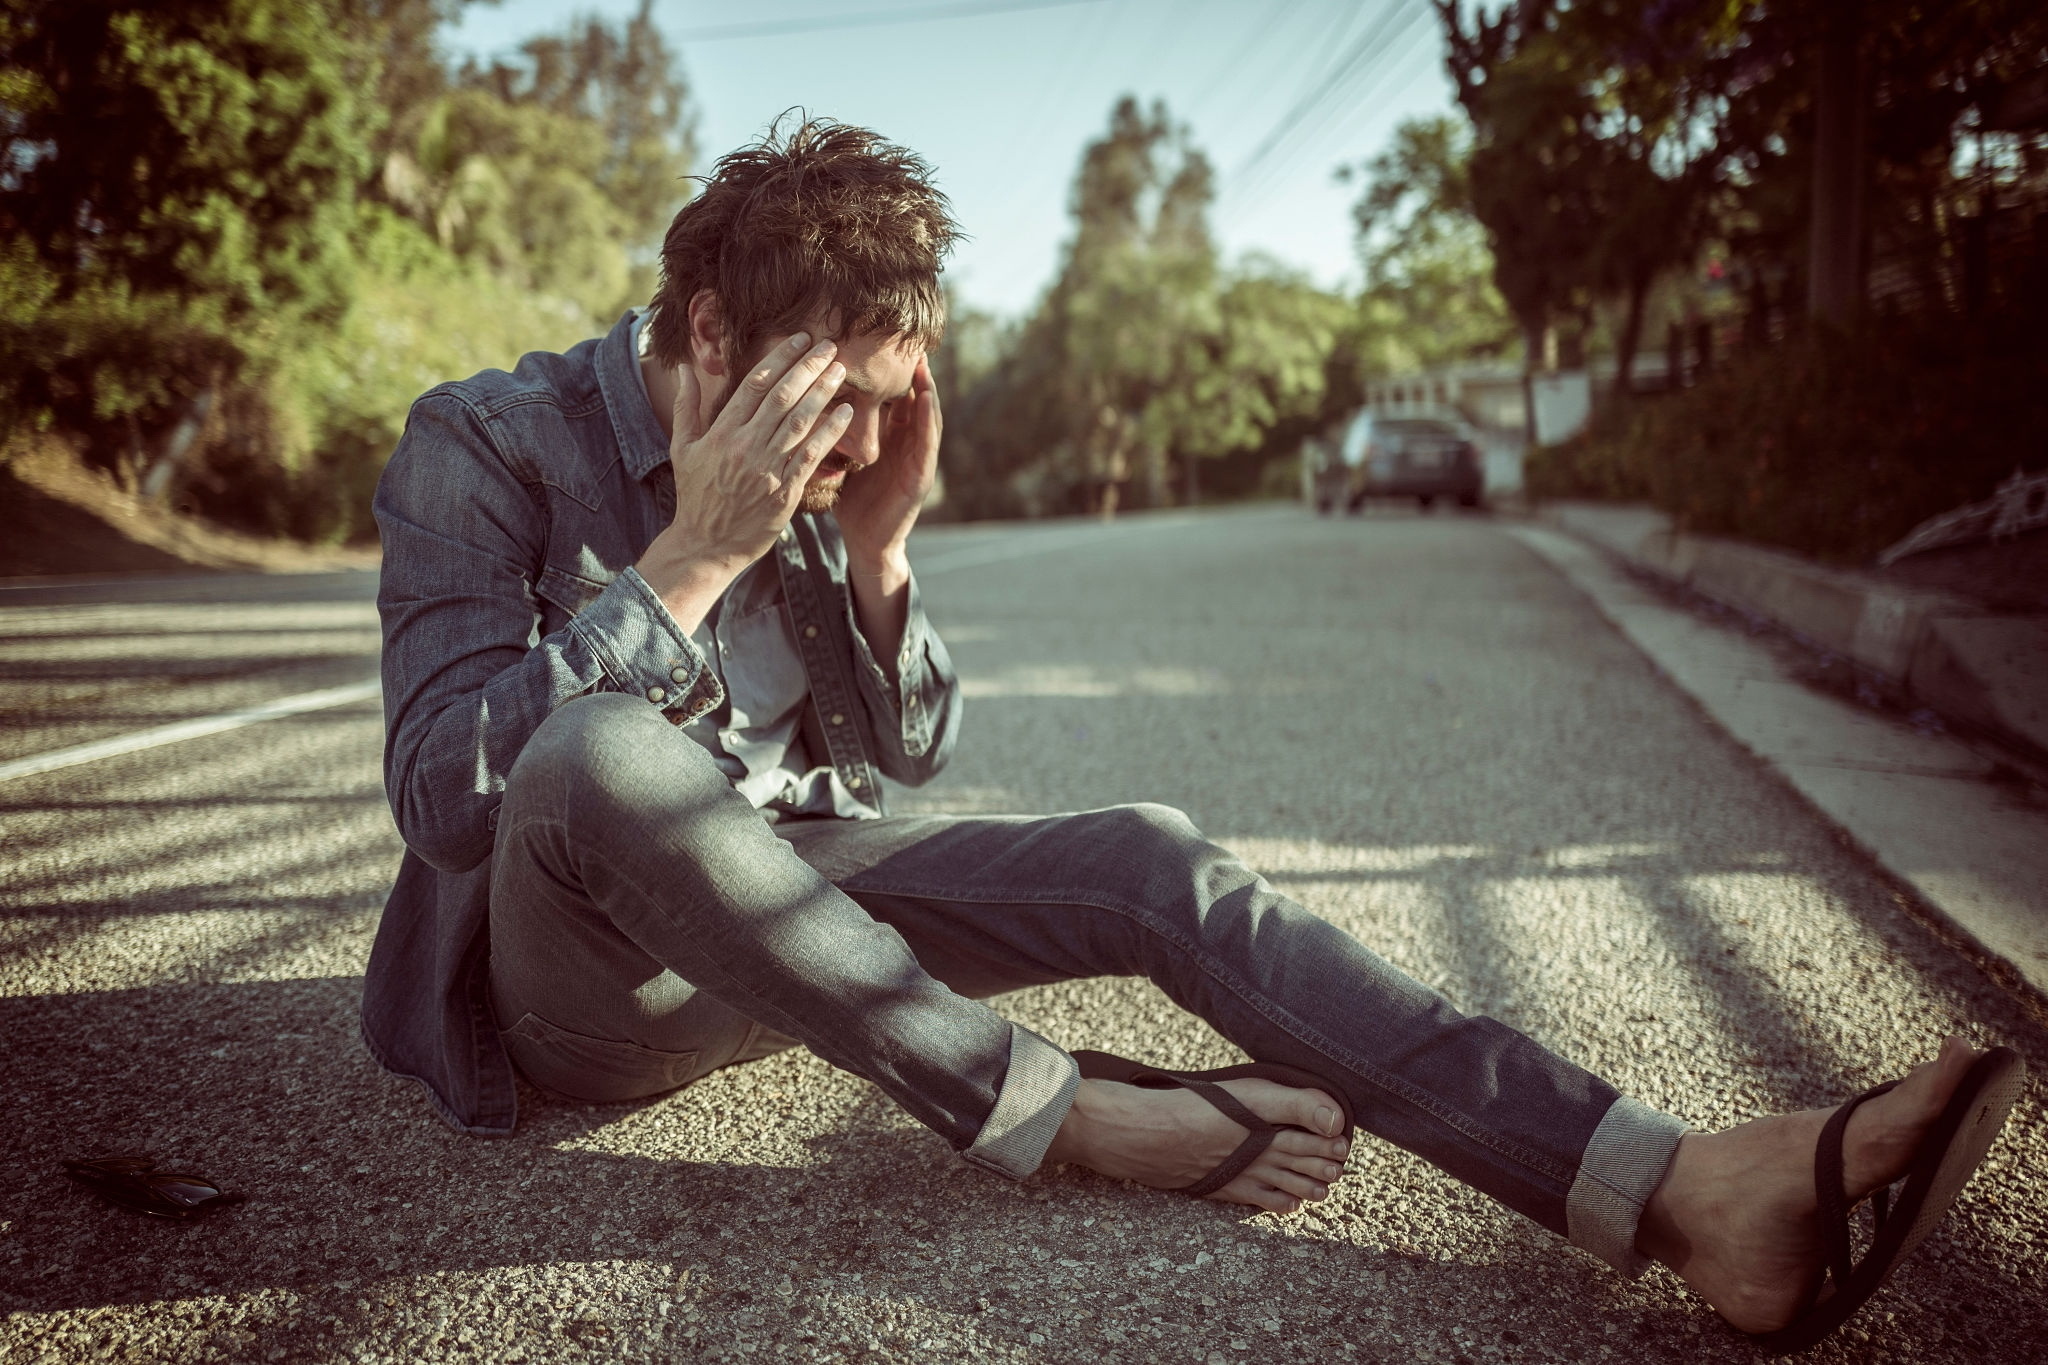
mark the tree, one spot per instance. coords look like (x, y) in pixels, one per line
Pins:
(254, 230)
(1847, 125)
(1428, 294)
(627, 87)
(1526, 119)
(1146, 353)
(1136, 291)
(179, 185)
(1593, 161)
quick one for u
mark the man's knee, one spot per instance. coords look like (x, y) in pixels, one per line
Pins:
(1148, 822)
(605, 748)
(1146, 846)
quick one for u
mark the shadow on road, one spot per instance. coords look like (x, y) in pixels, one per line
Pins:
(1616, 901)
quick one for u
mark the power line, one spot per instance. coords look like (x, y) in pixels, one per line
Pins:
(1361, 113)
(872, 19)
(1351, 72)
(1360, 54)
(1335, 44)
(1091, 39)
(1240, 55)
(1245, 66)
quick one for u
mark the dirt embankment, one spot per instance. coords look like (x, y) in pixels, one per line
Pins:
(60, 517)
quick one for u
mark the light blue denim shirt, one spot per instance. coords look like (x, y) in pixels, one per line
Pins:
(749, 641)
(755, 735)
(512, 512)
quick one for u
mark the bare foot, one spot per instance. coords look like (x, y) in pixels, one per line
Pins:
(1736, 1214)
(1169, 1139)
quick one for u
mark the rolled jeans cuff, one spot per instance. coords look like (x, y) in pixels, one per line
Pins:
(1623, 1164)
(1037, 1092)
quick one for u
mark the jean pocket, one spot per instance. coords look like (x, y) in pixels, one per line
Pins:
(596, 1070)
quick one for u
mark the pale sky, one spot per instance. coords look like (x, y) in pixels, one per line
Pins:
(1001, 103)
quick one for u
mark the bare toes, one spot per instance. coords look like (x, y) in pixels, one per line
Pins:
(1292, 1182)
(1289, 1106)
(1272, 1200)
(1314, 1168)
(1293, 1143)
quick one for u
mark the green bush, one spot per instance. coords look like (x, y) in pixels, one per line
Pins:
(298, 448)
(1829, 445)
(238, 237)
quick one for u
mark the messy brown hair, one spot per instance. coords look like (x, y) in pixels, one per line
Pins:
(826, 222)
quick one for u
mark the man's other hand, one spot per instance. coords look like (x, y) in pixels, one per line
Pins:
(878, 507)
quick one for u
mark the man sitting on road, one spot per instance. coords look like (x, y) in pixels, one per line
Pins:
(651, 644)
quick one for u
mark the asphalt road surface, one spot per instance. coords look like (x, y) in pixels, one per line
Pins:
(1410, 723)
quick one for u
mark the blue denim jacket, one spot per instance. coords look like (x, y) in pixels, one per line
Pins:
(512, 512)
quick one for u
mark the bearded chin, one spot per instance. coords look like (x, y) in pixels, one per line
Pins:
(816, 499)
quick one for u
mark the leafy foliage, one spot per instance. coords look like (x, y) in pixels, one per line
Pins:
(1429, 297)
(276, 221)
(1589, 169)
(180, 182)
(1833, 445)
(1614, 142)
(1147, 355)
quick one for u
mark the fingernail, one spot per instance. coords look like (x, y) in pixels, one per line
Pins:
(843, 410)
(799, 341)
(835, 372)
(1343, 1147)
(1326, 1119)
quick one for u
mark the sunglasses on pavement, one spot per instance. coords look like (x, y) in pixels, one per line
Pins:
(133, 1181)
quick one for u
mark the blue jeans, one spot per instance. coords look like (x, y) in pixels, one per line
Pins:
(648, 926)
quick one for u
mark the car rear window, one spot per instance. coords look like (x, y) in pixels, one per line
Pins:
(1413, 435)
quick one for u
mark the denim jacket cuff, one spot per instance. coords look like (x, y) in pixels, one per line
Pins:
(644, 652)
(906, 690)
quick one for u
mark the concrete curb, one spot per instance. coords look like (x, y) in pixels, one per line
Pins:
(1988, 672)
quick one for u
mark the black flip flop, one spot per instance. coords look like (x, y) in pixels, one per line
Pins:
(1107, 1066)
(132, 1180)
(1949, 1155)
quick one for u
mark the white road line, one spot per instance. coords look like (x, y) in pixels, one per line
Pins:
(189, 729)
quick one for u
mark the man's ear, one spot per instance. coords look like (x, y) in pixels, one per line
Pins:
(707, 333)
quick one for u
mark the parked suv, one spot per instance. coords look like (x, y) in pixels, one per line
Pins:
(1424, 458)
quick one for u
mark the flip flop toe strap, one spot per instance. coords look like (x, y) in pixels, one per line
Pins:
(1827, 1182)
(1259, 1134)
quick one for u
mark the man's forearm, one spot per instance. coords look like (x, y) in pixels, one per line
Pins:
(687, 584)
(881, 603)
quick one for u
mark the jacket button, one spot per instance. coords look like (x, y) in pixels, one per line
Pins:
(856, 782)
(810, 632)
(657, 695)
(679, 674)
(838, 719)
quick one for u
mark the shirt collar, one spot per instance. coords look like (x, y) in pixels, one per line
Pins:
(641, 443)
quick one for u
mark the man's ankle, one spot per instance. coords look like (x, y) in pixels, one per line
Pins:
(1071, 1145)
(1658, 1233)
